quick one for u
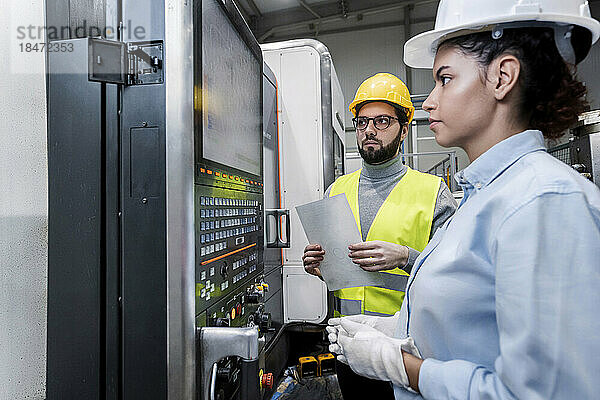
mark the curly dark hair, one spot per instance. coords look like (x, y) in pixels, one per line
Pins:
(551, 96)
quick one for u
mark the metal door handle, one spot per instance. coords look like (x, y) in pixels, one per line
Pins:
(278, 242)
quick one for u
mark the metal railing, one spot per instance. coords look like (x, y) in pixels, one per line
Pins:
(445, 169)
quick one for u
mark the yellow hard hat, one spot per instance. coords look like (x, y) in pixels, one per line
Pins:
(384, 87)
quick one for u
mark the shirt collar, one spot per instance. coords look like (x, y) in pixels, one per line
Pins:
(388, 168)
(498, 158)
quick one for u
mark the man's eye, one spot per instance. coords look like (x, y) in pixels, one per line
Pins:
(382, 120)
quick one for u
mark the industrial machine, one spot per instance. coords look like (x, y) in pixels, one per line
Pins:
(156, 275)
(311, 149)
(584, 148)
(582, 151)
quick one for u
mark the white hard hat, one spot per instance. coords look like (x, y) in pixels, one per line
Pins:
(456, 16)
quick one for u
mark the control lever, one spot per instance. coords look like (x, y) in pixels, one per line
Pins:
(277, 242)
(218, 343)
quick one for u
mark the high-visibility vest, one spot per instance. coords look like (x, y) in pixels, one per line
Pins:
(404, 218)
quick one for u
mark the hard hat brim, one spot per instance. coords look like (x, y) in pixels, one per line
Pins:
(410, 114)
(419, 51)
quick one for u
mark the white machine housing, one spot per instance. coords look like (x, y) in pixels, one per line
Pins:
(311, 146)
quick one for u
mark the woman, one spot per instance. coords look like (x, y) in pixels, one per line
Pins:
(503, 302)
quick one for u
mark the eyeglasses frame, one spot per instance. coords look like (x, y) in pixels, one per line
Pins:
(369, 119)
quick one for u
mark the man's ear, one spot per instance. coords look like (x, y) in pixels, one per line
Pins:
(404, 132)
(503, 75)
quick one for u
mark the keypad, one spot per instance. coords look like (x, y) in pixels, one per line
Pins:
(233, 217)
(247, 265)
(222, 226)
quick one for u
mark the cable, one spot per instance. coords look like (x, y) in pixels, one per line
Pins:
(284, 327)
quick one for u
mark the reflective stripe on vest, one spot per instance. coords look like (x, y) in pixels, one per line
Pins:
(404, 218)
(347, 307)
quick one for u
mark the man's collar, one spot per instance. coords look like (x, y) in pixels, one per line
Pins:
(388, 168)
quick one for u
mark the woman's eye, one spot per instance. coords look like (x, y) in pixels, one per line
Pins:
(444, 80)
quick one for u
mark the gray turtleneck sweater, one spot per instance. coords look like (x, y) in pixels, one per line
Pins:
(376, 183)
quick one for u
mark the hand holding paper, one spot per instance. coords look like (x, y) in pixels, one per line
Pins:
(330, 223)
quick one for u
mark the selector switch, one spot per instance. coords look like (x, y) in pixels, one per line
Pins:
(253, 298)
(221, 322)
(224, 271)
(264, 322)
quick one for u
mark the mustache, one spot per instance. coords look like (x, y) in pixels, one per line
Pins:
(372, 138)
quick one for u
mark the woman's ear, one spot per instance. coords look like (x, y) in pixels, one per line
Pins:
(503, 75)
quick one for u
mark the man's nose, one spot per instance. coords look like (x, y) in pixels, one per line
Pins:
(370, 129)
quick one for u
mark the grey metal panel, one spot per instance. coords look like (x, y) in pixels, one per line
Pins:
(75, 215)
(144, 275)
(270, 158)
(179, 123)
(273, 278)
(57, 15)
(269, 74)
(144, 230)
(326, 114)
(328, 133)
(274, 306)
(145, 20)
(87, 18)
(75, 18)
(112, 238)
(595, 157)
(146, 146)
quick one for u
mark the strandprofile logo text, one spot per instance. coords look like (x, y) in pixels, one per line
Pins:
(40, 38)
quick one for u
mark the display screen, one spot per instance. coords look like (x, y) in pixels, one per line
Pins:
(231, 102)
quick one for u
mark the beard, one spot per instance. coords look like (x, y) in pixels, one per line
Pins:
(381, 155)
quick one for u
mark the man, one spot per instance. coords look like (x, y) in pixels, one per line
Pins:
(396, 208)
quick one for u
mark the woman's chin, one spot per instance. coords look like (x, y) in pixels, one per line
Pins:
(443, 140)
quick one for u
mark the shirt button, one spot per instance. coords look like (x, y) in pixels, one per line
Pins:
(478, 185)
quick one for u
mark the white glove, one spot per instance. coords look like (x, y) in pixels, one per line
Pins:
(334, 347)
(385, 325)
(372, 354)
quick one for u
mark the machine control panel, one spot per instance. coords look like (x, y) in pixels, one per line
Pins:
(229, 234)
(243, 308)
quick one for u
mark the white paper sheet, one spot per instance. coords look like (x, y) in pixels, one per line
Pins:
(330, 223)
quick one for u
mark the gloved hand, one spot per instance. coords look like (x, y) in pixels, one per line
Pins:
(334, 347)
(385, 325)
(371, 353)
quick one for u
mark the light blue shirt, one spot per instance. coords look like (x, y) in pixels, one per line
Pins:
(504, 302)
